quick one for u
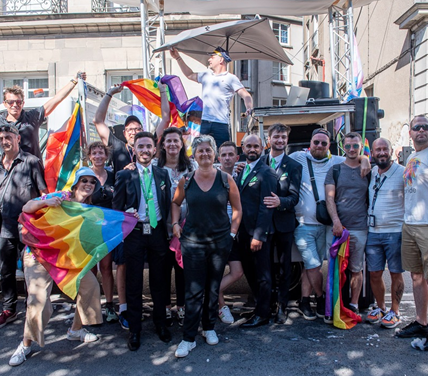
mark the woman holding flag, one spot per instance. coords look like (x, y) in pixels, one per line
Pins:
(39, 281)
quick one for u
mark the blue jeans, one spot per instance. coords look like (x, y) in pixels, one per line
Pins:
(219, 131)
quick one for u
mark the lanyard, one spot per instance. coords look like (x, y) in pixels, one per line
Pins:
(377, 186)
(131, 153)
(148, 195)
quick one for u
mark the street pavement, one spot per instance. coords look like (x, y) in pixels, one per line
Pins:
(298, 348)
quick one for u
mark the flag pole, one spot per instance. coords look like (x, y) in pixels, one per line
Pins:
(84, 135)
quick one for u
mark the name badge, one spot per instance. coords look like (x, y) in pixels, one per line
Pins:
(372, 221)
(147, 229)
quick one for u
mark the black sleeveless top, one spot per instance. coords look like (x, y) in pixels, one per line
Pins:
(207, 220)
(103, 196)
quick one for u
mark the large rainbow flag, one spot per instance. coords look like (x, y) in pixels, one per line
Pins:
(343, 318)
(69, 240)
(148, 94)
(63, 154)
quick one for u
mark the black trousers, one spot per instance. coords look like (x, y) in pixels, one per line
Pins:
(283, 242)
(203, 270)
(156, 246)
(256, 267)
(9, 249)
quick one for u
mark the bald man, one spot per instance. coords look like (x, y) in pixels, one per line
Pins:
(255, 182)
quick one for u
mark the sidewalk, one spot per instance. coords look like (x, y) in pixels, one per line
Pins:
(298, 348)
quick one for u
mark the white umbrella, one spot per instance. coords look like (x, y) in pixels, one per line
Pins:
(243, 39)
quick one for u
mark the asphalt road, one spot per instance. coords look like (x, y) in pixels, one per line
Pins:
(298, 348)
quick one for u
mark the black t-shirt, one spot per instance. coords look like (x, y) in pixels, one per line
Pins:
(103, 196)
(122, 155)
(28, 124)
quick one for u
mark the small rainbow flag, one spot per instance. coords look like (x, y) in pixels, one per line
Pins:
(148, 94)
(70, 239)
(343, 318)
(63, 154)
(366, 149)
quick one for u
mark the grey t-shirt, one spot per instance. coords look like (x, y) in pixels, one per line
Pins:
(351, 196)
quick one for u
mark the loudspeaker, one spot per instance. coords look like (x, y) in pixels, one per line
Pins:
(372, 117)
(318, 89)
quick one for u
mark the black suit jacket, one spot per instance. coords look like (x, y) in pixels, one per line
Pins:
(256, 217)
(289, 175)
(127, 190)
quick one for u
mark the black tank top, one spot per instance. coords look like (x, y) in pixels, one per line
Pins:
(207, 220)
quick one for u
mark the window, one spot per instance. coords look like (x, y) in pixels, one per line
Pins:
(279, 101)
(280, 72)
(281, 31)
(244, 70)
(116, 78)
(29, 85)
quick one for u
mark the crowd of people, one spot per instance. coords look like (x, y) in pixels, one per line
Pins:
(245, 214)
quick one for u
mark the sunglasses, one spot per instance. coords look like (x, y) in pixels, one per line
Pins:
(10, 102)
(418, 127)
(317, 142)
(85, 181)
(6, 128)
(353, 146)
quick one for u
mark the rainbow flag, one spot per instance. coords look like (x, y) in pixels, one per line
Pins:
(366, 149)
(343, 318)
(69, 240)
(193, 130)
(148, 94)
(63, 154)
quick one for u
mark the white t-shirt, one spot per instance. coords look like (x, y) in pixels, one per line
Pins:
(306, 207)
(416, 189)
(389, 206)
(217, 91)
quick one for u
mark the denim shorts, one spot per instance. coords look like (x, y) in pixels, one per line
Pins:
(117, 254)
(313, 241)
(382, 247)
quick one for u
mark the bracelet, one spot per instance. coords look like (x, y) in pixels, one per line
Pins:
(178, 58)
(109, 95)
(73, 81)
(162, 92)
(175, 223)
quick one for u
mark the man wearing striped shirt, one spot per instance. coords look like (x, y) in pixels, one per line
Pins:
(385, 220)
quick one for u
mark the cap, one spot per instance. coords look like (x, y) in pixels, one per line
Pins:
(84, 171)
(322, 131)
(131, 118)
(9, 128)
(222, 53)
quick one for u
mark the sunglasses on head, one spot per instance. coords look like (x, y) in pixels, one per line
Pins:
(10, 102)
(6, 128)
(353, 146)
(85, 181)
(317, 142)
(418, 127)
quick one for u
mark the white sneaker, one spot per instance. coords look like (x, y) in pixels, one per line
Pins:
(20, 355)
(81, 335)
(184, 348)
(210, 337)
(225, 315)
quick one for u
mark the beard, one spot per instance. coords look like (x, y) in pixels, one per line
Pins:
(382, 164)
(253, 157)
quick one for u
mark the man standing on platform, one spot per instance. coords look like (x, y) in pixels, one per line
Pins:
(218, 88)
(146, 190)
(29, 122)
(255, 182)
(289, 173)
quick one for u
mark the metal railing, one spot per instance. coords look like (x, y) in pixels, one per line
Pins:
(105, 6)
(26, 7)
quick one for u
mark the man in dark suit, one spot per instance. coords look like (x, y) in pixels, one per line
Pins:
(255, 182)
(289, 174)
(146, 191)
